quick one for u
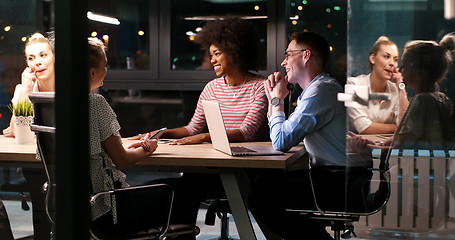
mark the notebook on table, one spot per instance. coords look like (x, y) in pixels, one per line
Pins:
(219, 136)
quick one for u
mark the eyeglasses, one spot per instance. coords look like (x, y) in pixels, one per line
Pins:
(288, 54)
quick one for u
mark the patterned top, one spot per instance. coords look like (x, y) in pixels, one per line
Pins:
(244, 107)
(103, 124)
(379, 111)
(428, 123)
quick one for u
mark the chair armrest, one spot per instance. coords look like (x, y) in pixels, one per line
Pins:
(39, 128)
(164, 201)
(375, 201)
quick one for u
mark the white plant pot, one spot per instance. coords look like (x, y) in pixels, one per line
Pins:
(22, 130)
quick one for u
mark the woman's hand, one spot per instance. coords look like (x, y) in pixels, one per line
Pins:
(357, 144)
(28, 78)
(397, 78)
(8, 132)
(149, 146)
(195, 139)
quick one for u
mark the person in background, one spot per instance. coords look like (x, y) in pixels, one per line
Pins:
(381, 116)
(39, 75)
(107, 156)
(429, 121)
(232, 46)
(319, 120)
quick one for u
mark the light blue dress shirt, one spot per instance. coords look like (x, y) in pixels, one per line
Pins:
(319, 120)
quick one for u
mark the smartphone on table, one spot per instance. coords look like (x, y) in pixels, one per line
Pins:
(158, 133)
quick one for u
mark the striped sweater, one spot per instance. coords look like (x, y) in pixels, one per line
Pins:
(244, 107)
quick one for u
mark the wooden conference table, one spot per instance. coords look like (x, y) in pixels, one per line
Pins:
(194, 158)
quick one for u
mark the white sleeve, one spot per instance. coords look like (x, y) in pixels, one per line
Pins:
(17, 91)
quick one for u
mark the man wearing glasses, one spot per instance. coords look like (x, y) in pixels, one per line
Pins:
(319, 120)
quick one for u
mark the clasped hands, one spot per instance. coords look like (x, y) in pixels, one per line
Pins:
(276, 86)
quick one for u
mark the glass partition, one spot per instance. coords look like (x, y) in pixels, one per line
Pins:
(416, 155)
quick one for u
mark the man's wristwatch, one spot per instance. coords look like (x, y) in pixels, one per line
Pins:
(276, 102)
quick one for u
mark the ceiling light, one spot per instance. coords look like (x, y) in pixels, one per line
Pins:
(103, 19)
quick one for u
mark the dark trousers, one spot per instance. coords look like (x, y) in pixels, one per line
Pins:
(41, 224)
(5, 228)
(274, 193)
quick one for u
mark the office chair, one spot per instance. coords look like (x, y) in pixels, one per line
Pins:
(220, 208)
(343, 219)
(44, 126)
(165, 194)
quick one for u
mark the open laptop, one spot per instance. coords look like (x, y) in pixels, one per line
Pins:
(219, 136)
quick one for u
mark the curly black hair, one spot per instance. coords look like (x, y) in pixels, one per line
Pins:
(234, 36)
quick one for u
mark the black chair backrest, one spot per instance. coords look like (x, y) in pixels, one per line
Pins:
(44, 122)
(44, 127)
(43, 107)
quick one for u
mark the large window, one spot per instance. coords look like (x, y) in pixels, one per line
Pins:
(327, 18)
(17, 22)
(189, 17)
(127, 36)
(165, 57)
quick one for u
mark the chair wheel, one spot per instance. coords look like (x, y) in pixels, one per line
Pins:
(348, 231)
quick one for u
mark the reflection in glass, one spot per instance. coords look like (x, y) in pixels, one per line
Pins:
(421, 155)
(188, 17)
(127, 43)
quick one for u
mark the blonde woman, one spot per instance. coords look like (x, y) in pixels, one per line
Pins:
(39, 75)
(381, 116)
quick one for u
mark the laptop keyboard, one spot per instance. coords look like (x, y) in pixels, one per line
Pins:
(240, 149)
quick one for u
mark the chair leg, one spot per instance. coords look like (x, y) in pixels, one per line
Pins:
(348, 231)
(224, 234)
(224, 227)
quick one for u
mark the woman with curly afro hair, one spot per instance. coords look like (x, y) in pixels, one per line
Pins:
(231, 44)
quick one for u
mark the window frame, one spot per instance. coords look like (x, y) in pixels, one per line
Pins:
(162, 77)
(139, 79)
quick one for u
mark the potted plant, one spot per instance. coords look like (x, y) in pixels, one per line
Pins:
(22, 117)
